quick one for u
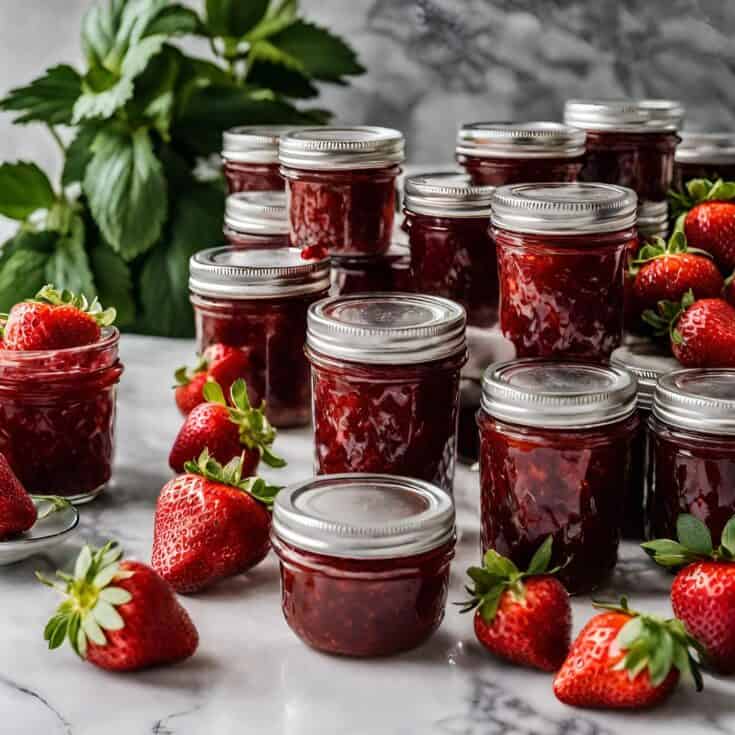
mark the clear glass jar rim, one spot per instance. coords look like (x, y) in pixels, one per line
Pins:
(540, 139)
(625, 115)
(110, 338)
(446, 194)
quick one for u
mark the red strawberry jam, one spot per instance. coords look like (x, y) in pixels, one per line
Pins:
(704, 156)
(341, 184)
(57, 416)
(256, 220)
(250, 158)
(257, 300)
(555, 454)
(390, 271)
(385, 381)
(364, 561)
(561, 256)
(495, 154)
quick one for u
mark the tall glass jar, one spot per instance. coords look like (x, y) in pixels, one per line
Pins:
(499, 153)
(385, 384)
(452, 253)
(364, 561)
(692, 451)
(341, 184)
(561, 255)
(256, 220)
(257, 300)
(704, 156)
(387, 272)
(555, 454)
(250, 157)
(629, 142)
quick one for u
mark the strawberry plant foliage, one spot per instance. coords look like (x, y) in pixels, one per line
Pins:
(130, 208)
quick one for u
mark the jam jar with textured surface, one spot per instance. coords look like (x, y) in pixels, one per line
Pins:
(452, 253)
(387, 272)
(629, 142)
(385, 384)
(341, 184)
(498, 153)
(257, 300)
(57, 416)
(561, 256)
(364, 561)
(692, 451)
(256, 220)
(704, 156)
(555, 446)
(250, 158)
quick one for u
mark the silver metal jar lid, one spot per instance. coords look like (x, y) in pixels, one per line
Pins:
(700, 399)
(233, 273)
(253, 143)
(341, 148)
(564, 208)
(520, 140)
(625, 115)
(558, 395)
(653, 218)
(648, 362)
(446, 194)
(257, 212)
(364, 516)
(387, 328)
(711, 148)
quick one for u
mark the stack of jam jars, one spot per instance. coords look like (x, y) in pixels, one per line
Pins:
(256, 220)
(250, 158)
(704, 156)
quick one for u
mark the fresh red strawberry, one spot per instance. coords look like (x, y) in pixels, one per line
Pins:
(623, 659)
(212, 522)
(189, 393)
(55, 320)
(728, 292)
(524, 617)
(119, 615)
(227, 431)
(703, 593)
(17, 510)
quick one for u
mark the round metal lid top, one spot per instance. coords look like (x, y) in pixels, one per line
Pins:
(520, 140)
(626, 115)
(447, 194)
(253, 143)
(257, 212)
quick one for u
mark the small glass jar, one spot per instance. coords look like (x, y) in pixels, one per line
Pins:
(555, 453)
(496, 154)
(250, 158)
(629, 142)
(561, 255)
(385, 384)
(364, 561)
(57, 416)
(452, 253)
(256, 220)
(257, 300)
(386, 273)
(341, 184)
(691, 466)
(704, 156)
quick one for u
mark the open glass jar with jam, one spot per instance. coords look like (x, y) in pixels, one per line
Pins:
(499, 153)
(386, 272)
(250, 157)
(364, 561)
(257, 300)
(692, 451)
(341, 184)
(385, 384)
(452, 253)
(256, 220)
(704, 156)
(561, 255)
(629, 142)
(555, 453)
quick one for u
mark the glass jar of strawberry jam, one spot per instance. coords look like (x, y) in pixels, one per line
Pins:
(555, 452)
(692, 451)
(256, 220)
(561, 256)
(257, 300)
(653, 220)
(341, 184)
(452, 253)
(364, 561)
(495, 154)
(387, 272)
(57, 416)
(250, 158)
(629, 142)
(704, 156)
(385, 384)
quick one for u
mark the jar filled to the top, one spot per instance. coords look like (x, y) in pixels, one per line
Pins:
(704, 156)
(341, 184)
(499, 153)
(629, 142)
(257, 219)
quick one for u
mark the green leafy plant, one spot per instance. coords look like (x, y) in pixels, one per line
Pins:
(134, 201)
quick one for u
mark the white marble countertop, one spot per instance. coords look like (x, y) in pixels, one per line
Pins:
(251, 674)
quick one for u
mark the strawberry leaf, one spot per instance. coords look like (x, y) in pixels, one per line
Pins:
(24, 189)
(541, 559)
(213, 392)
(728, 537)
(693, 534)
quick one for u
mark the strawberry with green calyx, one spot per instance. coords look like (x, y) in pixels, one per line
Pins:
(211, 523)
(226, 431)
(189, 386)
(623, 659)
(119, 615)
(524, 617)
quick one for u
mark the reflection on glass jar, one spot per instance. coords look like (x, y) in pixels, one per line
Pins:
(388, 272)
(250, 158)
